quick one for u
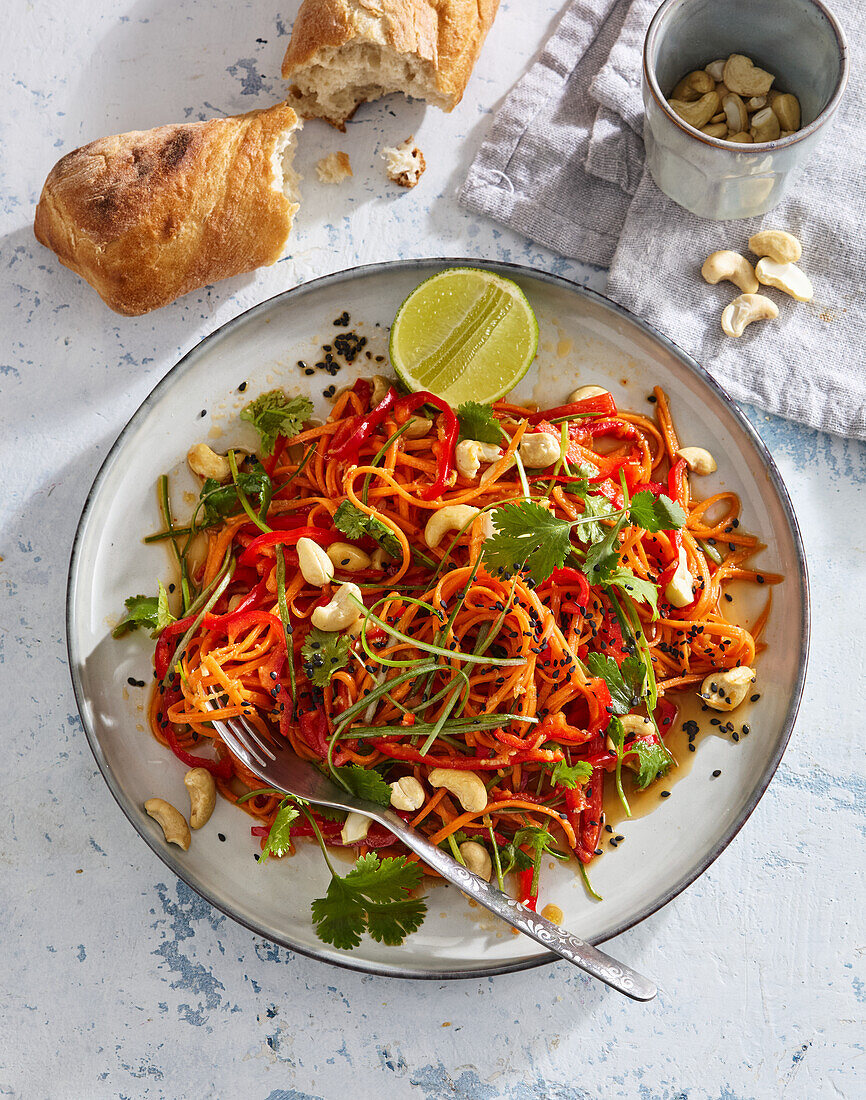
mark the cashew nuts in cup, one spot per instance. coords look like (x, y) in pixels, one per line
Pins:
(696, 114)
(745, 309)
(202, 796)
(731, 266)
(765, 126)
(170, 820)
(742, 76)
(693, 86)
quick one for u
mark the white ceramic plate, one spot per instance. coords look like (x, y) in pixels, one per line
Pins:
(584, 338)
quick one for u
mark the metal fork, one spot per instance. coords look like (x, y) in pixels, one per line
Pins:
(279, 767)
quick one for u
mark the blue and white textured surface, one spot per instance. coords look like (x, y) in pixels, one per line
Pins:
(117, 981)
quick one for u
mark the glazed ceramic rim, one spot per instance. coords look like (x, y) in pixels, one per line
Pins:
(745, 148)
(133, 812)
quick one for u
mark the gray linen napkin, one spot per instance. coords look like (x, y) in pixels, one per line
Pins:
(563, 163)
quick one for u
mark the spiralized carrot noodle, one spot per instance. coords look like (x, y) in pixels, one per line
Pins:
(461, 662)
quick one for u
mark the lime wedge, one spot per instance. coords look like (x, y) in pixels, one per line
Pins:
(465, 335)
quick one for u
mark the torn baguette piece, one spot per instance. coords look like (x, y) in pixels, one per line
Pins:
(345, 52)
(334, 168)
(405, 163)
(149, 215)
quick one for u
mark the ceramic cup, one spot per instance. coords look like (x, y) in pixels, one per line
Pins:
(799, 41)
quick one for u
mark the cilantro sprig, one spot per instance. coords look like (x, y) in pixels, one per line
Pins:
(274, 414)
(478, 422)
(147, 611)
(356, 524)
(373, 897)
(322, 653)
(626, 682)
(570, 776)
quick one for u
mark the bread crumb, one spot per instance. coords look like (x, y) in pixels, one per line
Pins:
(405, 163)
(334, 168)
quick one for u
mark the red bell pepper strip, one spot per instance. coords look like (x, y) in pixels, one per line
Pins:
(466, 763)
(253, 599)
(285, 538)
(222, 769)
(164, 649)
(665, 715)
(677, 483)
(314, 731)
(601, 405)
(566, 575)
(348, 451)
(445, 460)
(591, 816)
(524, 889)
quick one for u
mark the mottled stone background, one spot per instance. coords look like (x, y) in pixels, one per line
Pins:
(116, 980)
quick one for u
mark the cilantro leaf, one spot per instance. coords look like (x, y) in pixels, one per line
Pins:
(539, 840)
(478, 422)
(274, 414)
(280, 838)
(570, 775)
(149, 611)
(595, 505)
(638, 588)
(323, 653)
(602, 558)
(372, 897)
(529, 537)
(219, 501)
(356, 524)
(655, 513)
(653, 761)
(624, 682)
(365, 783)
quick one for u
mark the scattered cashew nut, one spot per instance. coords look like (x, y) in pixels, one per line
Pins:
(202, 796)
(342, 612)
(170, 820)
(345, 556)
(731, 266)
(477, 859)
(470, 453)
(207, 463)
(693, 86)
(538, 450)
(585, 392)
(633, 724)
(467, 787)
(744, 77)
(355, 828)
(680, 589)
(780, 246)
(698, 459)
(765, 126)
(316, 567)
(450, 518)
(787, 277)
(696, 114)
(726, 690)
(419, 426)
(380, 558)
(745, 309)
(381, 385)
(407, 793)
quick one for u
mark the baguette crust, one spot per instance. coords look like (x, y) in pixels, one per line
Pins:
(149, 215)
(442, 37)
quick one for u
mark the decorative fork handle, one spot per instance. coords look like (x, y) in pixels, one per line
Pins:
(578, 952)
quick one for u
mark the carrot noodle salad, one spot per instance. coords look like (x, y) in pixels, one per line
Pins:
(410, 591)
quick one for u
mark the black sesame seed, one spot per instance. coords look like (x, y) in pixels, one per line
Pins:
(692, 748)
(665, 794)
(717, 773)
(202, 413)
(242, 387)
(759, 578)
(754, 698)
(221, 837)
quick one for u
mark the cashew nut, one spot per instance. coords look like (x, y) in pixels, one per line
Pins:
(788, 277)
(780, 246)
(470, 453)
(744, 77)
(693, 86)
(170, 820)
(347, 557)
(755, 103)
(722, 90)
(720, 117)
(419, 426)
(316, 567)
(539, 449)
(786, 108)
(467, 787)
(407, 793)
(726, 690)
(476, 858)
(745, 309)
(342, 612)
(696, 114)
(202, 796)
(355, 828)
(765, 125)
(680, 589)
(735, 113)
(379, 559)
(207, 463)
(716, 130)
(744, 138)
(633, 724)
(716, 69)
(381, 385)
(698, 460)
(584, 392)
(450, 518)
(731, 266)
